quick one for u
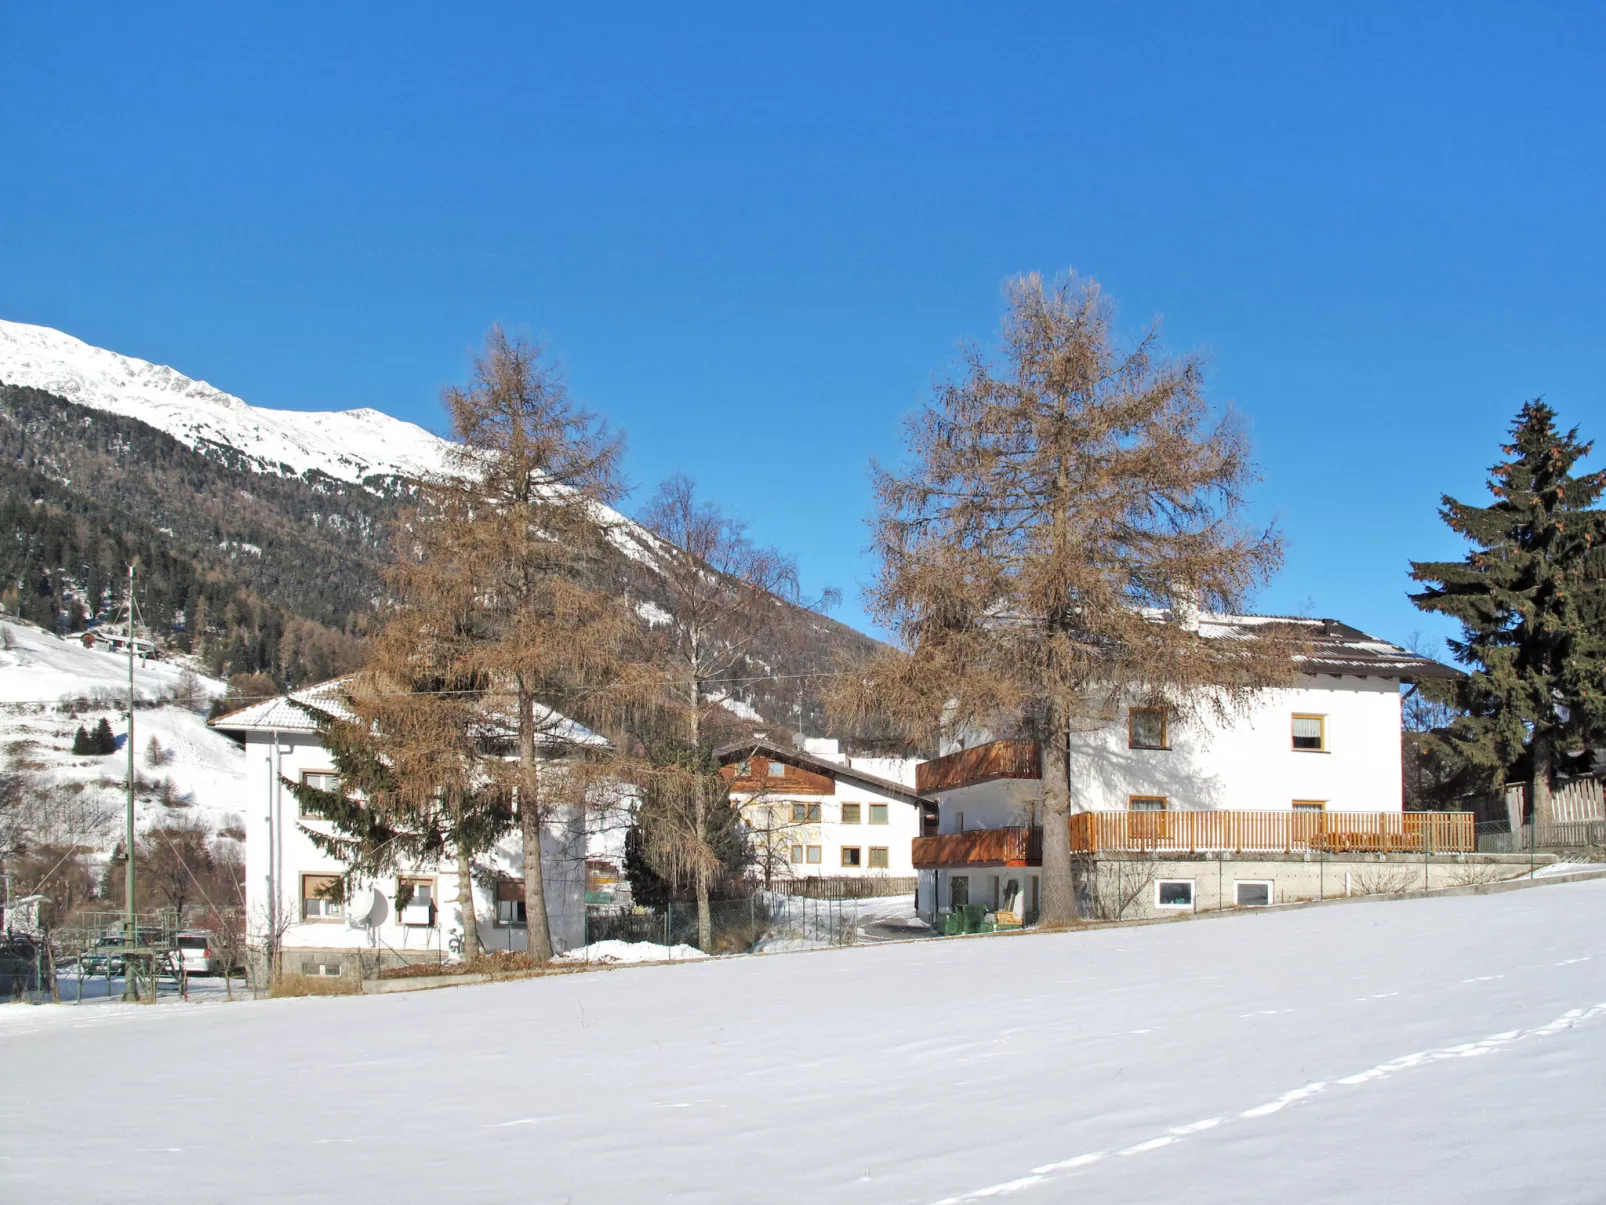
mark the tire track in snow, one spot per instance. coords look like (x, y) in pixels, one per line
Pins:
(1421, 1058)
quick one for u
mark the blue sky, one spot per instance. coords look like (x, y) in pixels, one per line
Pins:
(754, 235)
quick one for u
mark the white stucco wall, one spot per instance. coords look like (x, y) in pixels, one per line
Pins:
(831, 834)
(279, 852)
(1245, 763)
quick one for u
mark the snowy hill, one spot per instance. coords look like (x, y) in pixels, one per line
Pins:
(346, 444)
(49, 687)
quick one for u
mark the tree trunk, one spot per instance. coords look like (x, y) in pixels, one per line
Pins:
(705, 921)
(465, 905)
(538, 932)
(1543, 773)
(1059, 887)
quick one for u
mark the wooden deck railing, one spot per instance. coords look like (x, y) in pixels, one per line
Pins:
(1273, 832)
(1214, 832)
(1018, 846)
(984, 763)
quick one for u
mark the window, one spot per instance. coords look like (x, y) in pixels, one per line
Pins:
(1310, 805)
(814, 855)
(1145, 728)
(851, 856)
(1146, 803)
(510, 902)
(1252, 893)
(1310, 733)
(850, 813)
(744, 768)
(322, 897)
(797, 855)
(415, 901)
(318, 780)
(878, 857)
(878, 813)
(959, 891)
(959, 822)
(777, 769)
(1173, 893)
(322, 970)
(805, 813)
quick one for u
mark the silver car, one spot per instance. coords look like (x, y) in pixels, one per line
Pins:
(200, 953)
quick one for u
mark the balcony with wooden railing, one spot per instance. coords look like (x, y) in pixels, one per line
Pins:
(984, 763)
(1159, 833)
(1016, 846)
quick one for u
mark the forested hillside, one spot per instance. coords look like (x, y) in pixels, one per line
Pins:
(265, 573)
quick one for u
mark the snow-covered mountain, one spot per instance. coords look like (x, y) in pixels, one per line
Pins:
(346, 444)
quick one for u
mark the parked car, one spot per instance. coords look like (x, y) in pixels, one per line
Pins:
(200, 953)
(98, 960)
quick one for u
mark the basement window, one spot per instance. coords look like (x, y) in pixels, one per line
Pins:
(1252, 893)
(1146, 803)
(1173, 893)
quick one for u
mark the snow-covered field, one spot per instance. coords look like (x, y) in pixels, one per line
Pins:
(1444, 1049)
(50, 686)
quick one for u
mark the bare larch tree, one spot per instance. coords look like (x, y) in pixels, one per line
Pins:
(1071, 507)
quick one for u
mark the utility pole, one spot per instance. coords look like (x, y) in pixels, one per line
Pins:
(130, 929)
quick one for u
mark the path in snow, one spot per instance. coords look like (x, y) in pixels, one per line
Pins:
(1430, 1050)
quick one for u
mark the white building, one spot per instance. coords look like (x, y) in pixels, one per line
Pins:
(814, 811)
(1326, 746)
(296, 895)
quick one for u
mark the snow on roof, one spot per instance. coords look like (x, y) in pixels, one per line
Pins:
(1336, 648)
(281, 714)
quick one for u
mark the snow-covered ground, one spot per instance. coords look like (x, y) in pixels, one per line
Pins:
(1433, 1050)
(49, 687)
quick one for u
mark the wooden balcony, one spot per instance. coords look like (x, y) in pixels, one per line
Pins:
(984, 847)
(984, 763)
(1249, 833)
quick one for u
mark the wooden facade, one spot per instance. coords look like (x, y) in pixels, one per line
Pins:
(984, 763)
(1212, 832)
(793, 780)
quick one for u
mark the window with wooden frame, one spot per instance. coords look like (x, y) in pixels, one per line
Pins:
(1310, 805)
(323, 897)
(318, 780)
(879, 857)
(1310, 734)
(815, 855)
(805, 813)
(1146, 728)
(415, 902)
(777, 769)
(878, 813)
(797, 855)
(1147, 803)
(850, 813)
(510, 902)
(852, 856)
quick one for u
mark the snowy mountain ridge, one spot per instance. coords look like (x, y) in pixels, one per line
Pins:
(346, 444)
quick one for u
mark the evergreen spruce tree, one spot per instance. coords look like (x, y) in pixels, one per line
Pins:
(102, 741)
(82, 746)
(1531, 600)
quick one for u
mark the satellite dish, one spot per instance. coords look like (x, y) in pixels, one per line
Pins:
(365, 909)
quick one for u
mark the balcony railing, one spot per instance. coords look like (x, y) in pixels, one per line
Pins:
(984, 763)
(1019, 846)
(1210, 832)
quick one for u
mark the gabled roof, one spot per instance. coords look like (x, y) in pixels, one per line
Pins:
(1336, 648)
(820, 765)
(282, 715)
